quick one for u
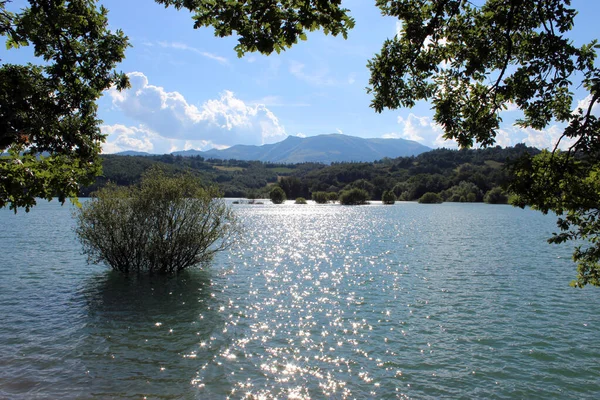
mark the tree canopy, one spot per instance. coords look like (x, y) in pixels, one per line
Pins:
(267, 25)
(472, 61)
(48, 125)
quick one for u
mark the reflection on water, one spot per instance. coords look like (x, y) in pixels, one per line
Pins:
(154, 324)
(404, 301)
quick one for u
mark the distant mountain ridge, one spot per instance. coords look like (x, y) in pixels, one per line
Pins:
(322, 148)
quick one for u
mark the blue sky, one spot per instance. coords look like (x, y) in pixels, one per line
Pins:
(189, 89)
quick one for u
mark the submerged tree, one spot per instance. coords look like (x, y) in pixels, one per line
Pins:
(354, 197)
(162, 226)
(388, 197)
(431, 198)
(320, 197)
(277, 195)
(496, 196)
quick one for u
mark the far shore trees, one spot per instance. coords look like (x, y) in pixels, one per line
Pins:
(161, 226)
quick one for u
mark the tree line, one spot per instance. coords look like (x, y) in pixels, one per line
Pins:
(467, 175)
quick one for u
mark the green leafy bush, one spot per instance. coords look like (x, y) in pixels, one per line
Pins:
(320, 197)
(332, 196)
(162, 226)
(430, 198)
(388, 197)
(300, 200)
(496, 196)
(277, 195)
(354, 197)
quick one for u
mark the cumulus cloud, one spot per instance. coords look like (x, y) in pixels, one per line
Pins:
(121, 138)
(423, 130)
(545, 139)
(542, 139)
(218, 122)
(584, 105)
(138, 138)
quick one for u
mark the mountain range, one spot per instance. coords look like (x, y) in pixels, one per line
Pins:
(322, 148)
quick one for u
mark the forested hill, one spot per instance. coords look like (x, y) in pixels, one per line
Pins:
(457, 175)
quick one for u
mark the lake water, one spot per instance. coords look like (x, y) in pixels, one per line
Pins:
(383, 302)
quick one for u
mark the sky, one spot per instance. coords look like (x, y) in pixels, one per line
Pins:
(189, 90)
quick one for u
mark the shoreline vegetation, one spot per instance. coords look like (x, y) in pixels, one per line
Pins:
(474, 175)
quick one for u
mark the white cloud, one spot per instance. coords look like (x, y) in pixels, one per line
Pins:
(542, 139)
(399, 29)
(316, 77)
(510, 107)
(339, 131)
(123, 138)
(423, 130)
(185, 47)
(503, 138)
(300, 135)
(585, 103)
(277, 101)
(218, 122)
(546, 139)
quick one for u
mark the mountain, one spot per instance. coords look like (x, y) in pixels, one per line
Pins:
(133, 153)
(322, 148)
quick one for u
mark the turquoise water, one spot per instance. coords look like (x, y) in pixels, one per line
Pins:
(403, 301)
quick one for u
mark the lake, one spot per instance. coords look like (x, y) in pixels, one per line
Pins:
(318, 301)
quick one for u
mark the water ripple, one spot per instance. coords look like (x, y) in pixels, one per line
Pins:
(407, 301)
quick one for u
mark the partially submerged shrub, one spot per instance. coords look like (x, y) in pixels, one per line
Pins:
(320, 197)
(162, 226)
(277, 195)
(388, 197)
(300, 200)
(496, 196)
(332, 196)
(430, 198)
(354, 197)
